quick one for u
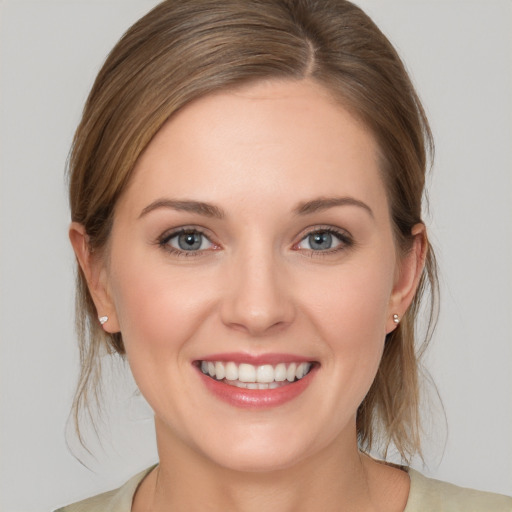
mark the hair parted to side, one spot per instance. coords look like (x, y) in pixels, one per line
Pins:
(185, 49)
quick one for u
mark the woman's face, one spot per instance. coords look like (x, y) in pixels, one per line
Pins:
(255, 240)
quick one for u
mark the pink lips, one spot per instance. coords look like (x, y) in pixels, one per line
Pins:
(257, 398)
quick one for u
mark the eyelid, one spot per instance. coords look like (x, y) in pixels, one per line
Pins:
(166, 236)
(345, 238)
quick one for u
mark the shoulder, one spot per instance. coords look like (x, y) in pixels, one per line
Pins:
(117, 500)
(427, 494)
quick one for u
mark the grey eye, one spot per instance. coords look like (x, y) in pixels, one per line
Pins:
(321, 240)
(189, 241)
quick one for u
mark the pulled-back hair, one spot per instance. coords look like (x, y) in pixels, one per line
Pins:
(185, 49)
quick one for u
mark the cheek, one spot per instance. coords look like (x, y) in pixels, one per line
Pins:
(349, 308)
(353, 299)
(161, 313)
(158, 309)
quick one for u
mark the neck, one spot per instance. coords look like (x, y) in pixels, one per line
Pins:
(337, 478)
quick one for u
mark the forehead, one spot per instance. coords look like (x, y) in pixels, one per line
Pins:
(277, 140)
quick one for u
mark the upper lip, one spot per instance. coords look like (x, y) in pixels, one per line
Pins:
(256, 359)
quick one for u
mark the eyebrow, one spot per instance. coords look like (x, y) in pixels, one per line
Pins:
(324, 203)
(199, 207)
(210, 210)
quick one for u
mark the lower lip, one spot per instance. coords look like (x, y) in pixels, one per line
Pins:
(257, 398)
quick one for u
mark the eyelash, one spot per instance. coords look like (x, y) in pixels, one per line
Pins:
(343, 237)
(164, 240)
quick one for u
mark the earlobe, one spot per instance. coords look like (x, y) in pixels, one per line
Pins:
(95, 273)
(408, 277)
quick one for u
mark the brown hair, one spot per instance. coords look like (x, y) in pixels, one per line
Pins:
(184, 49)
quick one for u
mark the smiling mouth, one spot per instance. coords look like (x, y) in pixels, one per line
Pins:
(250, 376)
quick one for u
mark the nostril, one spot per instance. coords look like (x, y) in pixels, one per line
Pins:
(257, 299)
(257, 326)
(242, 314)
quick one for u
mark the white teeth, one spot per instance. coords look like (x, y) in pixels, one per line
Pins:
(265, 373)
(247, 373)
(302, 370)
(220, 371)
(264, 376)
(231, 371)
(253, 385)
(280, 372)
(290, 374)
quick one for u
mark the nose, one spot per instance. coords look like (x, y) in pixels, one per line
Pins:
(258, 295)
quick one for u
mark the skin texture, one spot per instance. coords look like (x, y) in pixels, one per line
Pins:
(259, 153)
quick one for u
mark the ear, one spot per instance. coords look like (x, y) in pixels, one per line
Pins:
(96, 275)
(408, 274)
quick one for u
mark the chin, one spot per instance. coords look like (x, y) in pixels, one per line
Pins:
(261, 450)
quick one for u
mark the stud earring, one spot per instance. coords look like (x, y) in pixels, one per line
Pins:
(103, 319)
(396, 319)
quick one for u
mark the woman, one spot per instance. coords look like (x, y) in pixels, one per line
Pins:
(246, 187)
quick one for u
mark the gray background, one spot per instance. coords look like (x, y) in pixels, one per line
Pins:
(459, 53)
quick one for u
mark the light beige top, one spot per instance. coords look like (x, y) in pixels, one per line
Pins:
(425, 495)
